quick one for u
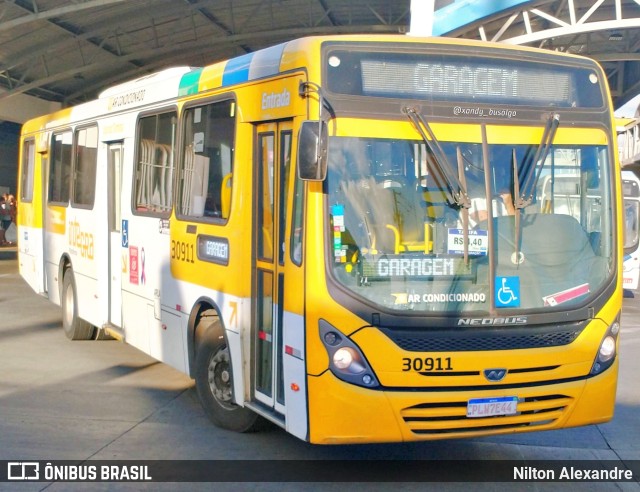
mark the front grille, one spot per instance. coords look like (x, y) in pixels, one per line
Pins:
(482, 340)
(445, 418)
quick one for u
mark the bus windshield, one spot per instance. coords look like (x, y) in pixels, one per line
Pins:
(400, 239)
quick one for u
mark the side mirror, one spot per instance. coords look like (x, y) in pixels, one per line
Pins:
(312, 151)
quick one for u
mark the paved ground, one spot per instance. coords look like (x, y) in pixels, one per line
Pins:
(106, 400)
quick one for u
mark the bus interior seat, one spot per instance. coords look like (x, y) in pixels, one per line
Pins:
(408, 222)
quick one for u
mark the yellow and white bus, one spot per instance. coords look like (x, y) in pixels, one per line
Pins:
(359, 238)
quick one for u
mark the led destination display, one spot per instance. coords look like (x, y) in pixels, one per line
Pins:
(461, 78)
(466, 80)
(385, 267)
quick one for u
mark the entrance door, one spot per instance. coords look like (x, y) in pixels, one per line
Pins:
(273, 168)
(117, 237)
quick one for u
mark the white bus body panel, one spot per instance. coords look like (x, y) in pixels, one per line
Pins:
(155, 305)
(295, 373)
(30, 258)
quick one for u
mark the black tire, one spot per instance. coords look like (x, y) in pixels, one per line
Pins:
(214, 380)
(74, 327)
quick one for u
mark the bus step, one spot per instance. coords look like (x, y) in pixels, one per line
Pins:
(267, 412)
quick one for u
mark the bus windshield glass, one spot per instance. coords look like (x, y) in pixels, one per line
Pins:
(399, 240)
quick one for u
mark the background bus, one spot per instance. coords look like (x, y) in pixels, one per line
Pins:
(631, 192)
(359, 238)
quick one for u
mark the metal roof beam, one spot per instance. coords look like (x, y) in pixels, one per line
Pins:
(328, 14)
(569, 30)
(51, 17)
(35, 15)
(166, 54)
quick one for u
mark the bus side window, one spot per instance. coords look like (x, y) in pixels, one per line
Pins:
(155, 163)
(297, 231)
(28, 163)
(84, 172)
(207, 164)
(60, 168)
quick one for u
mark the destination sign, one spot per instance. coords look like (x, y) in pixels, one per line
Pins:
(466, 80)
(213, 249)
(385, 267)
(461, 78)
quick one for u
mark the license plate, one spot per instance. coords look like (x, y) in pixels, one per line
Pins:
(490, 407)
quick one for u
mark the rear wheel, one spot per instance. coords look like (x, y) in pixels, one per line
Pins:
(74, 327)
(214, 380)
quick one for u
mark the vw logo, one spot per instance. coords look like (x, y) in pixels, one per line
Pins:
(495, 375)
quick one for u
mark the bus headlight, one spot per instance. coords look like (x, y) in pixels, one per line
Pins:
(607, 350)
(343, 358)
(346, 361)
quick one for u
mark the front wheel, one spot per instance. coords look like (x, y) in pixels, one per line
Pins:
(74, 327)
(214, 381)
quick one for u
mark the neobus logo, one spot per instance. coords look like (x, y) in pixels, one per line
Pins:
(509, 320)
(80, 240)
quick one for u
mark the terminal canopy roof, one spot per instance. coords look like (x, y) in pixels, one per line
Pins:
(68, 51)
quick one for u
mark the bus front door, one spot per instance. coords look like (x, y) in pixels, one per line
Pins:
(270, 286)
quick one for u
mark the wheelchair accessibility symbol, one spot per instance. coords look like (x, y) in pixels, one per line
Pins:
(507, 291)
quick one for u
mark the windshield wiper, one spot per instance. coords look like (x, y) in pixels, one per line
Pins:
(456, 190)
(523, 196)
(533, 167)
(518, 209)
(465, 210)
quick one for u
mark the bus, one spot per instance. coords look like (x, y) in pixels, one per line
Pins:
(631, 196)
(359, 238)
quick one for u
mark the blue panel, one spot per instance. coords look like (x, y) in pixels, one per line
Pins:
(507, 292)
(463, 12)
(237, 70)
(125, 233)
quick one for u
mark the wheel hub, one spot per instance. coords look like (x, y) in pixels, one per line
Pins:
(219, 376)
